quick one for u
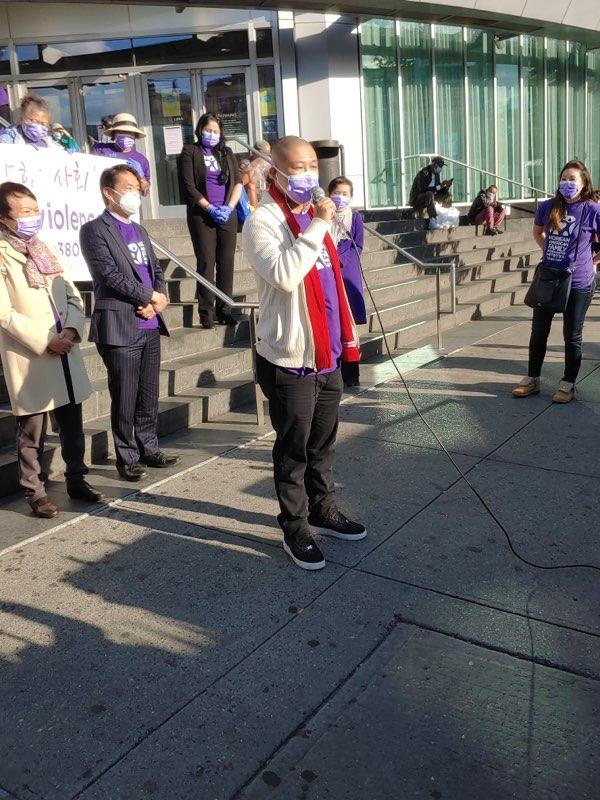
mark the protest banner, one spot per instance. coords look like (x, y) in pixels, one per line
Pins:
(67, 189)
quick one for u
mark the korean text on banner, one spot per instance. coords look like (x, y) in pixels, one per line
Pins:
(67, 187)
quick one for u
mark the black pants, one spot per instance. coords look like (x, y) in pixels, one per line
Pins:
(214, 247)
(133, 373)
(351, 373)
(31, 432)
(304, 414)
(425, 200)
(573, 319)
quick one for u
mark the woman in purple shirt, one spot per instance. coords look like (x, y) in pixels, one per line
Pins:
(565, 227)
(349, 238)
(211, 186)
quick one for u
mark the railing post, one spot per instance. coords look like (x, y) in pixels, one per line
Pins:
(259, 397)
(438, 304)
(453, 287)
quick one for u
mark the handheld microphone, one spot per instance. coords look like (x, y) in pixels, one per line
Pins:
(318, 193)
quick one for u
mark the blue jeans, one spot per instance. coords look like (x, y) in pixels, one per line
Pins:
(573, 319)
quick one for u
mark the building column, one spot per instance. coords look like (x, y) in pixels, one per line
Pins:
(328, 87)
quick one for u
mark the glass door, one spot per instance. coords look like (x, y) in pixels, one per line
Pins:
(101, 97)
(172, 122)
(225, 93)
(58, 97)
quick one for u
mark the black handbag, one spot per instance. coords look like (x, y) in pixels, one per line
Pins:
(550, 288)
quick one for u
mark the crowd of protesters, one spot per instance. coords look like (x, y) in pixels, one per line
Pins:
(305, 254)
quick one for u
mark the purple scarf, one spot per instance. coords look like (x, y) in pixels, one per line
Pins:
(40, 262)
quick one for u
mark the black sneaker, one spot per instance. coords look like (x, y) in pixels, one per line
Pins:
(160, 460)
(334, 523)
(303, 551)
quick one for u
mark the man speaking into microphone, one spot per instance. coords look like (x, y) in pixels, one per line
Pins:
(305, 330)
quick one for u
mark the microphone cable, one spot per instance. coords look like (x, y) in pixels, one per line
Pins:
(449, 455)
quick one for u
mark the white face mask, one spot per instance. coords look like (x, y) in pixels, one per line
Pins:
(130, 202)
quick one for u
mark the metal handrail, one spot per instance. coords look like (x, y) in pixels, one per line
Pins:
(438, 266)
(234, 304)
(482, 171)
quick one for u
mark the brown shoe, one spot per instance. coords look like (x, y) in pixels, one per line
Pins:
(81, 490)
(44, 507)
(527, 387)
(564, 394)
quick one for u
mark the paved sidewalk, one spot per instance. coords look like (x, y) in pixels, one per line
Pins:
(167, 648)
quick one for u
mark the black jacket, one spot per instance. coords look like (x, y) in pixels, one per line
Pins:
(192, 174)
(118, 287)
(483, 200)
(421, 183)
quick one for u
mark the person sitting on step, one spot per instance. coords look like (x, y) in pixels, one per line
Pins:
(487, 211)
(447, 215)
(426, 186)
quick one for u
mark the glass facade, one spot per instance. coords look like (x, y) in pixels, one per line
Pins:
(516, 107)
(382, 129)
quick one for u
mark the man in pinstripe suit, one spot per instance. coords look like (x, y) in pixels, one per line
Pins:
(127, 323)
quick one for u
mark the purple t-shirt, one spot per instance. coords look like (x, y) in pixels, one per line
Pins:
(137, 248)
(215, 191)
(332, 305)
(561, 245)
(111, 150)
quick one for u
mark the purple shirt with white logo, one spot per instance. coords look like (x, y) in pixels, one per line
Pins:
(112, 150)
(215, 191)
(137, 248)
(332, 305)
(561, 247)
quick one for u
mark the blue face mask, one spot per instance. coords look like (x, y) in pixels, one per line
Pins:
(569, 189)
(210, 139)
(35, 131)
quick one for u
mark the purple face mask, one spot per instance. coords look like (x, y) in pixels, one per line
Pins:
(569, 189)
(210, 139)
(340, 201)
(28, 227)
(35, 131)
(124, 141)
(300, 187)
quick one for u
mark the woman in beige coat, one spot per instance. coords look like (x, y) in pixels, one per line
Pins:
(41, 322)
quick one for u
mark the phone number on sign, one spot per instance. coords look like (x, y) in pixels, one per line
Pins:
(69, 249)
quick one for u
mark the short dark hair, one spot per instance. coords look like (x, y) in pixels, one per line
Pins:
(341, 180)
(8, 190)
(109, 177)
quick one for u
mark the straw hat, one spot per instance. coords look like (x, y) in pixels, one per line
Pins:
(125, 123)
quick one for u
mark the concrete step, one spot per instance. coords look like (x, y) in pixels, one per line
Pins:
(194, 407)
(422, 304)
(207, 369)
(521, 250)
(182, 342)
(401, 290)
(473, 248)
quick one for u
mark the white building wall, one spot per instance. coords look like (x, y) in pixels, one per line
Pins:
(30, 22)
(329, 96)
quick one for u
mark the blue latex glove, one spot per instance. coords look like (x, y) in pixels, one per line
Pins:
(214, 212)
(225, 212)
(133, 164)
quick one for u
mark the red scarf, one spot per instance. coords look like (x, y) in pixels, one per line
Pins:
(315, 298)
